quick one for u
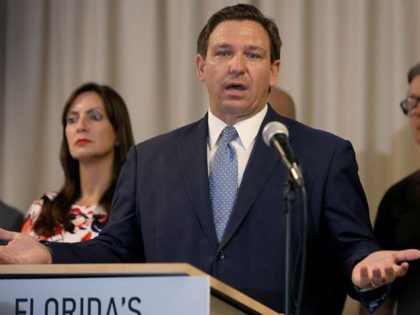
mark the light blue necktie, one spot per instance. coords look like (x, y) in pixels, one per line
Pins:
(223, 180)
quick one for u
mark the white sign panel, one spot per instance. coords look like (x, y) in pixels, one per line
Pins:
(138, 295)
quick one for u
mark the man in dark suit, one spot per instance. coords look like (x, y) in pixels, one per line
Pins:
(165, 210)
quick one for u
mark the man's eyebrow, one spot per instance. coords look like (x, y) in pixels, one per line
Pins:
(248, 47)
(222, 45)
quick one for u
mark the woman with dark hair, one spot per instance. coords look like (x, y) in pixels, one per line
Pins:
(96, 138)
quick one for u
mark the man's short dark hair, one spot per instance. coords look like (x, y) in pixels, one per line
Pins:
(240, 12)
(414, 71)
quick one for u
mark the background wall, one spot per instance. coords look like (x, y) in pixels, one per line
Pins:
(343, 62)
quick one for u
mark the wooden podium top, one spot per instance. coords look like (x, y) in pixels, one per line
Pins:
(218, 288)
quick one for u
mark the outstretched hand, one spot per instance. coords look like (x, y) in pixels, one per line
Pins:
(22, 249)
(382, 267)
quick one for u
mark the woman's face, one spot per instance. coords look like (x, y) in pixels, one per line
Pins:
(90, 135)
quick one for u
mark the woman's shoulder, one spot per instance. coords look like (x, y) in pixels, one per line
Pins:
(36, 206)
(50, 195)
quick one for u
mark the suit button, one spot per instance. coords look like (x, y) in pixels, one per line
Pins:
(221, 255)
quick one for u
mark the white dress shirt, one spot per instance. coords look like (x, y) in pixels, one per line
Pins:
(247, 130)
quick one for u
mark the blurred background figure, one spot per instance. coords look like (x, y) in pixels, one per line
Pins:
(282, 102)
(397, 221)
(97, 135)
(10, 218)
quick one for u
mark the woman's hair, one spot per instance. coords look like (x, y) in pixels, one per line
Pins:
(58, 210)
(240, 12)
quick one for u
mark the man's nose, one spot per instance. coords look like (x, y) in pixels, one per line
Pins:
(238, 64)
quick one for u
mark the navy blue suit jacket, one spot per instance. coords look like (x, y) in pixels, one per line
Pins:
(161, 213)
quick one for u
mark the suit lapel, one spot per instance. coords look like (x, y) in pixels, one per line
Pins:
(192, 153)
(259, 168)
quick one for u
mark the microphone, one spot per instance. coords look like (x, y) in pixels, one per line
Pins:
(275, 134)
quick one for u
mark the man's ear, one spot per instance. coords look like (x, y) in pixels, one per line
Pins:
(274, 72)
(200, 67)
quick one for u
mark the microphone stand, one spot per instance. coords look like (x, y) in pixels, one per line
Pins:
(275, 135)
(289, 200)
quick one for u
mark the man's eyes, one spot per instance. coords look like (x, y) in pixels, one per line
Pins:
(222, 53)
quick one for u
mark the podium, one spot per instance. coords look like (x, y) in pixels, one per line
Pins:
(120, 289)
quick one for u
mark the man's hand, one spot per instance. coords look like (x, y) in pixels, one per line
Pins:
(22, 249)
(382, 268)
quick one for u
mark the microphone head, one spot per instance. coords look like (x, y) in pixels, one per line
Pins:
(274, 128)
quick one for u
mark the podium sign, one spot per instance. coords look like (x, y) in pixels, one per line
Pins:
(112, 295)
(111, 289)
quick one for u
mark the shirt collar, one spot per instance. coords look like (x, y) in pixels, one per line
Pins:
(247, 129)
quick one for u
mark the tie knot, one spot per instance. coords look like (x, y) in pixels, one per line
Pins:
(227, 135)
